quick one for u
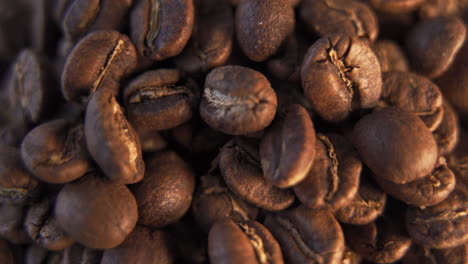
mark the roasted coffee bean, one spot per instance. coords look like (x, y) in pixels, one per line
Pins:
(287, 150)
(237, 100)
(143, 245)
(333, 180)
(395, 6)
(214, 202)
(160, 29)
(41, 226)
(263, 26)
(446, 135)
(443, 225)
(211, 42)
(390, 56)
(83, 16)
(433, 44)
(160, 99)
(242, 242)
(347, 17)
(121, 160)
(395, 145)
(6, 255)
(77, 254)
(17, 187)
(413, 93)
(151, 141)
(55, 152)
(240, 166)
(367, 205)
(340, 74)
(98, 61)
(96, 212)
(11, 224)
(307, 235)
(435, 8)
(166, 192)
(422, 255)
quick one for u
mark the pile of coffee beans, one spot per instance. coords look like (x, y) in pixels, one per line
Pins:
(233, 131)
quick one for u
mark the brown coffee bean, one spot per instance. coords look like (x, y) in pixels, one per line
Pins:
(390, 56)
(55, 152)
(121, 160)
(422, 255)
(307, 235)
(287, 150)
(160, 99)
(433, 44)
(142, 246)
(333, 180)
(347, 17)
(237, 100)
(96, 212)
(242, 242)
(240, 166)
(98, 61)
(435, 8)
(340, 74)
(395, 145)
(446, 135)
(160, 29)
(263, 26)
(166, 192)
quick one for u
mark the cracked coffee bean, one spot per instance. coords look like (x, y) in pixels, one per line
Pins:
(237, 100)
(390, 56)
(340, 75)
(160, 99)
(242, 242)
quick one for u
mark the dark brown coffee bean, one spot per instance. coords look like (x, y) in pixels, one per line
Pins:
(433, 44)
(340, 74)
(83, 16)
(6, 255)
(96, 212)
(142, 246)
(413, 93)
(77, 254)
(211, 42)
(166, 192)
(395, 6)
(111, 140)
(55, 152)
(390, 56)
(242, 242)
(422, 255)
(16, 185)
(237, 100)
(307, 236)
(11, 224)
(443, 225)
(262, 27)
(161, 28)
(395, 145)
(287, 150)
(347, 17)
(446, 135)
(41, 226)
(214, 202)
(160, 99)
(333, 180)
(367, 205)
(240, 166)
(98, 61)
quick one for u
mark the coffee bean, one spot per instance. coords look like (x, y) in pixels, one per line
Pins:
(96, 212)
(240, 166)
(287, 149)
(422, 255)
(349, 17)
(160, 29)
(390, 56)
(166, 192)
(143, 245)
(446, 135)
(307, 235)
(105, 121)
(395, 6)
(242, 242)
(340, 74)
(160, 99)
(433, 44)
(237, 100)
(395, 145)
(11, 224)
(98, 61)
(263, 26)
(435, 8)
(55, 152)
(333, 180)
